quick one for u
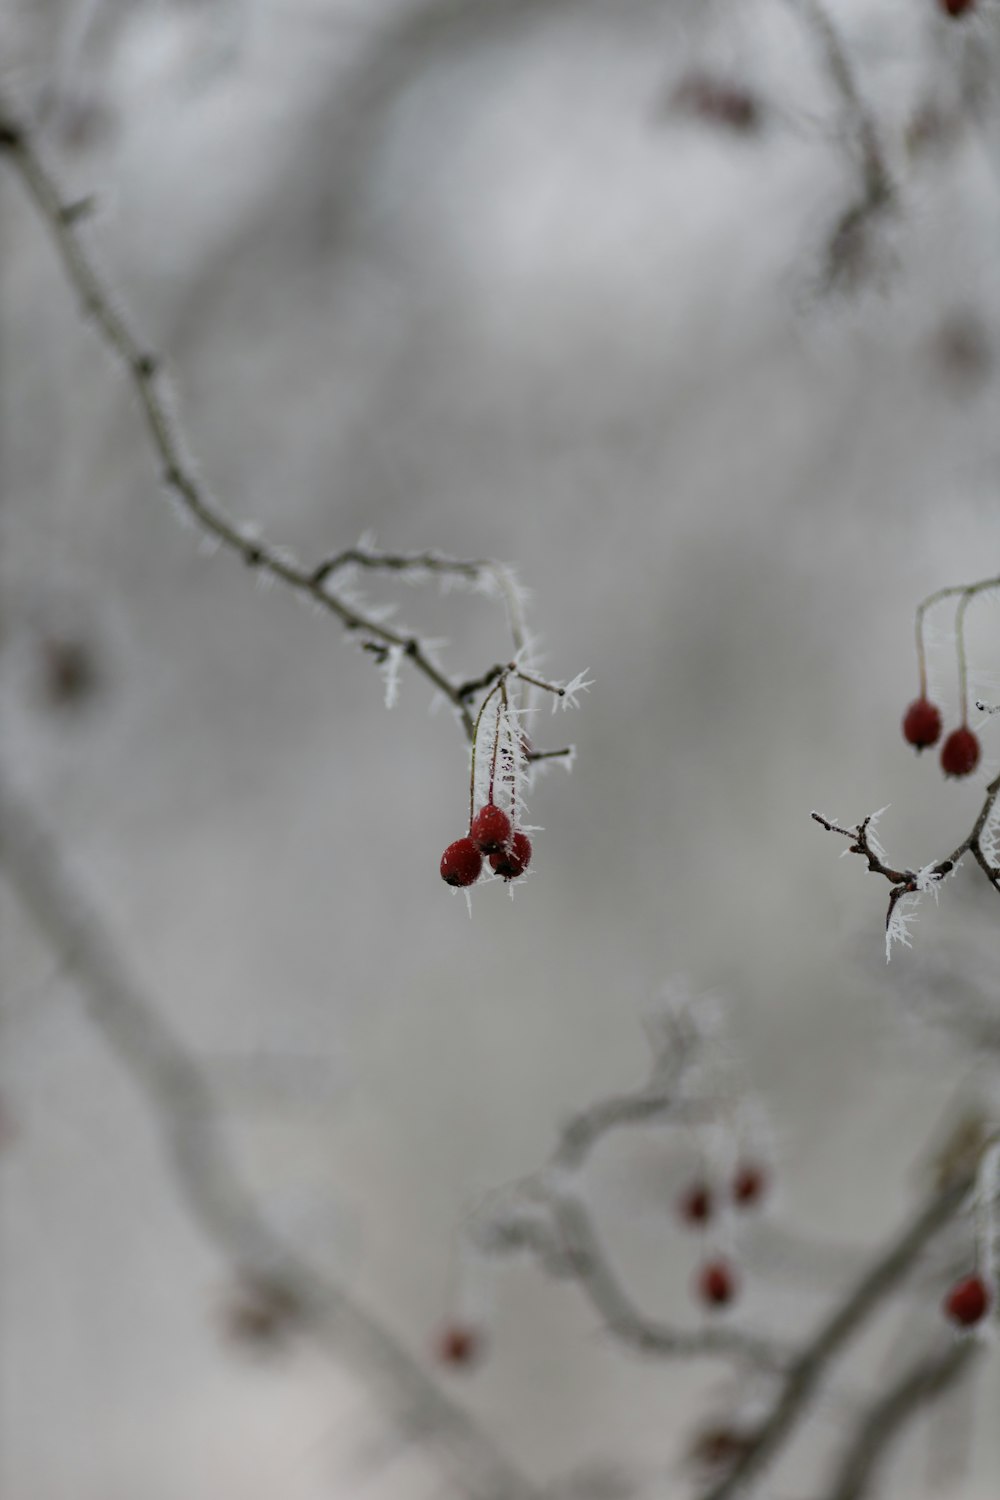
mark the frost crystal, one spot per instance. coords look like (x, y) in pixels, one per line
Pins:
(874, 842)
(581, 683)
(390, 670)
(900, 921)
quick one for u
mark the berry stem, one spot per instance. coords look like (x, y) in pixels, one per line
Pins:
(965, 593)
(921, 654)
(496, 737)
(963, 670)
(500, 687)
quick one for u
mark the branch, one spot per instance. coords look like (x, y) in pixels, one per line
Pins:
(915, 882)
(884, 1421)
(845, 251)
(587, 1263)
(554, 1224)
(144, 370)
(848, 1318)
(173, 1083)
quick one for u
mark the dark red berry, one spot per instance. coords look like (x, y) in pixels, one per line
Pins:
(461, 863)
(749, 1184)
(491, 830)
(715, 1449)
(459, 1344)
(960, 752)
(695, 1203)
(956, 8)
(922, 724)
(968, 1302)
(717, 1283)
(512, 862)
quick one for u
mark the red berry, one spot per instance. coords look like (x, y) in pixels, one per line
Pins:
(461, 863)
(695, 1203)
(956, 8)
(922, 723)
(491, 830)
(459, 1344)
(512, 862)
(717, 1283)
(715, 1449)
(749, 1184)
(968, 1302)
(960, 752)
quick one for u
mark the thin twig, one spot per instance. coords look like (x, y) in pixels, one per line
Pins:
(173, 1084)
(144, 369)
(911, 882)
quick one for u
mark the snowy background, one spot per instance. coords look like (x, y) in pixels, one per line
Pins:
(454, 271)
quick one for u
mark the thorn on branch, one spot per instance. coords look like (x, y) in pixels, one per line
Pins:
(146, 366)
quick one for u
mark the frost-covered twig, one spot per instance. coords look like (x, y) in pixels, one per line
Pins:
(173, 1084)
(389, 645)
(980, 842)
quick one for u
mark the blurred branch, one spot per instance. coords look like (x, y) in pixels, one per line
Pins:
(885, 1419)
(808, 1370)
(173, 1084)
(591, 1269)
(551, 1220)
(845, 251)
(63, 218)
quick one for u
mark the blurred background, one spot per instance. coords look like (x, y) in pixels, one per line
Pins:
(547, 281)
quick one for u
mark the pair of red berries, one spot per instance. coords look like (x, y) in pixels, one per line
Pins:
(922, 728)
(491, 833)
(747, 1187)
(968, 1302)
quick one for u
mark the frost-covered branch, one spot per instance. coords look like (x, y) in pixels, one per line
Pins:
(390, 646)
(174, 1086)
(908, 884)
(547, 1214)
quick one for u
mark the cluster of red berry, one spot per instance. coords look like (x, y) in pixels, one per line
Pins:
(491, 833)
(717, 1281)
(922, 728)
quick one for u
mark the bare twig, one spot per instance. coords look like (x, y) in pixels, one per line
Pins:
(144, 369)
(809, 1369)
(884, 1420)
(173, 1084)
